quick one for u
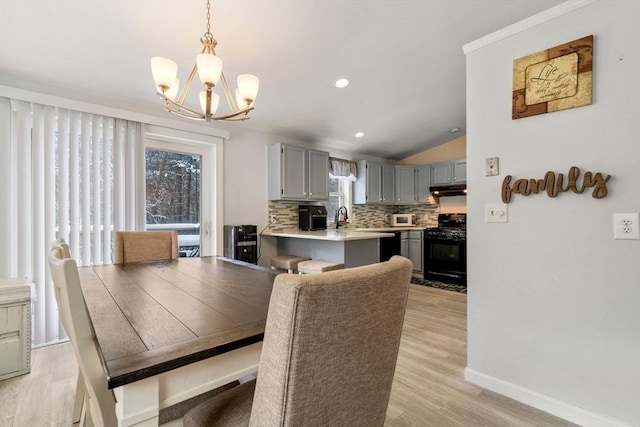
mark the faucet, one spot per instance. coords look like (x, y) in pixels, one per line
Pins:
(341, 216)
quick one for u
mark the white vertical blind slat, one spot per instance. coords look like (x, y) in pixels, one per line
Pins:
(6, 195)
(118, 176)
(96, 190)
(37, 207)
(50, 216)
(107, 138)
(85, 196)
(74, 184)
(63, 174)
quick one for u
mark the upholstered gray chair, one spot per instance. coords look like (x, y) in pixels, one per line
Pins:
(329, 353)
(140, 246)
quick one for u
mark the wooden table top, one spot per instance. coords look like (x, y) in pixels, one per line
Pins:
(150, 318)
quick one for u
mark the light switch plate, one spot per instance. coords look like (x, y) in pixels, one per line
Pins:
(495, 212)
(491, 166)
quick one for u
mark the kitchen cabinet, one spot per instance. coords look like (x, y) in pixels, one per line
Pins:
(375, 184)
(297, 173)
(411, 242)
(449, 173)
(412, 184)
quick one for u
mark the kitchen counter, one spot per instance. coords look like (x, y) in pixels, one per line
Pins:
(389, 229)
(349, 247)
(331, 235)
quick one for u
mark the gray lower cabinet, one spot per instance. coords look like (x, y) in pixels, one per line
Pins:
(297, 173)
(411, 247)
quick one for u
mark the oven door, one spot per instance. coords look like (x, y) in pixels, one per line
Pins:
(445, 260)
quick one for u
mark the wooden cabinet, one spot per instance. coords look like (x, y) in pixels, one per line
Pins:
(375, 184)
(296, 173)
(15, 328)
(449, 173)
(412, 184)
(411, 247)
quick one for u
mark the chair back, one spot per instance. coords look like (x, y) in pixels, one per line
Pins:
(100, 405)
(330, 346)
(140, 246)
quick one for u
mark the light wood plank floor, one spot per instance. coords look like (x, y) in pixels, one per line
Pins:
(428, 390)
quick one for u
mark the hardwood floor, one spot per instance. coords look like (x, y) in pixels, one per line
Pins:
(429, 387)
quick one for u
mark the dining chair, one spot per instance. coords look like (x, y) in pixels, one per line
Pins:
(99, 402)
(140, 246)
(329, 352)
(78, 402)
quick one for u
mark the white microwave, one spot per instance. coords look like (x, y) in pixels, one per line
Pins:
(403, 220)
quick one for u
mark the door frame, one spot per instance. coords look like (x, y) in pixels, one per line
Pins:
(211, 193)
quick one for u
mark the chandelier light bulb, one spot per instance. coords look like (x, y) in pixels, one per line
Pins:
(248, 85)
(215, 99)
(172, 92)
(209, 68)
(164, 71)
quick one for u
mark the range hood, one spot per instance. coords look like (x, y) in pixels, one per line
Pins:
(449, 190)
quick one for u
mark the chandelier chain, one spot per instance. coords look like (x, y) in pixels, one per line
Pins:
(208, 33)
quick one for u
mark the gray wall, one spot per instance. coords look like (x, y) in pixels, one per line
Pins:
(554, 300)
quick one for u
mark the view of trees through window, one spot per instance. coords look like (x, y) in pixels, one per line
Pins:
(173, 196)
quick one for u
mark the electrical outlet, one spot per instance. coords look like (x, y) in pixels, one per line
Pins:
(626, 226)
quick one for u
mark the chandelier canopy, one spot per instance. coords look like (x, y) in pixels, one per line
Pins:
(209, 69)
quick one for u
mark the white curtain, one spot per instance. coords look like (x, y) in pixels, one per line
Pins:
(343, 169)
(65, 174)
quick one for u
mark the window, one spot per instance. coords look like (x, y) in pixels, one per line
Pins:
(339, 195)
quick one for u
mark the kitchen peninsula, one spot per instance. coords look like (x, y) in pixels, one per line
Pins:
(352, 248)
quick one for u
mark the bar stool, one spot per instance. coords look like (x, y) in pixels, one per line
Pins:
(318, 266)
(287, 262)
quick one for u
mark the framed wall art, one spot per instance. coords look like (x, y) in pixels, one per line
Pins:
(553, 79)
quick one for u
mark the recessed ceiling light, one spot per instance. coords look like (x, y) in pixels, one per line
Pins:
(342, 83)
(359, 134)
(454, 130)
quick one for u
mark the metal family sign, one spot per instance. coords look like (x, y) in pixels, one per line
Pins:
(555, 184)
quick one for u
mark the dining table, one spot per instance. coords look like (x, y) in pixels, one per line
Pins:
(172, 330)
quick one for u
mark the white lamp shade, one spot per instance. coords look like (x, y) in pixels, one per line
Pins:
(242, 104)
(173, 90)
(215, 99)
(164, 71)
(209, 68)
(248, 85)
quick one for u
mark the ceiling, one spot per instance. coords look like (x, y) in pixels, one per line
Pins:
(404, 60)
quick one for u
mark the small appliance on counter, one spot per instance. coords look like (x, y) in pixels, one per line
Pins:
(312, 217)
(403, 220)
(241, 243)
(342, 217)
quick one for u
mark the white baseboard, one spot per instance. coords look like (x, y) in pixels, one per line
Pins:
(540, 401)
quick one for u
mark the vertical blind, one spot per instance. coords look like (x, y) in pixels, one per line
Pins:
(73, 175)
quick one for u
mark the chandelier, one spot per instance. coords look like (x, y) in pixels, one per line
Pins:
(209, 69)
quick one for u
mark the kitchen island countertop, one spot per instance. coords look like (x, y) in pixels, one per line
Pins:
(329, 235)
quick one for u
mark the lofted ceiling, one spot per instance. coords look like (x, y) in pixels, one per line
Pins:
(404, 60)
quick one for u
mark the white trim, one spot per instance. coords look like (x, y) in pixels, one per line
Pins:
(44, 99)
(525, 24)
(540, 401)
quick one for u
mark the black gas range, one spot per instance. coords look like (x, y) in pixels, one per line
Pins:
(445, 249)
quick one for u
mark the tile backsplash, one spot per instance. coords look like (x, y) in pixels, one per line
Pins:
(360, 216)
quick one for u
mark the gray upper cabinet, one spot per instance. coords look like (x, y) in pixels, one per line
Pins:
(375, 184)
(298, 174)
(388, 184)
(412, 184)
(449, 173)
(405, 184)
